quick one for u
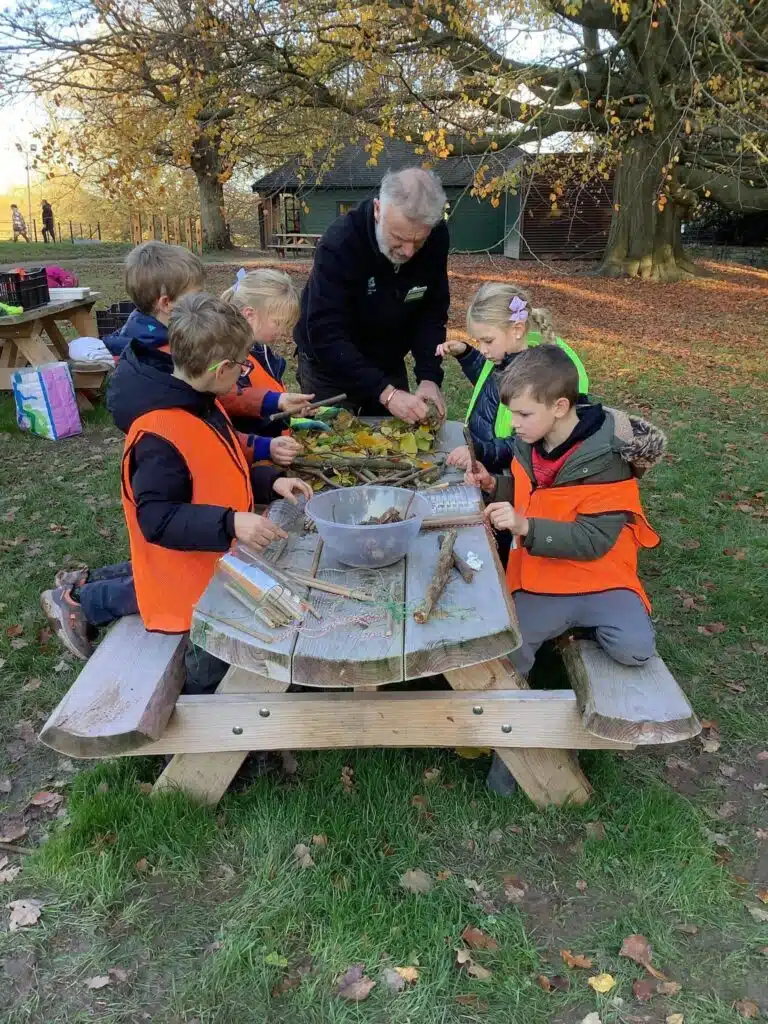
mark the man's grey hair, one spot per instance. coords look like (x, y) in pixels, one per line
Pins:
(416, 193)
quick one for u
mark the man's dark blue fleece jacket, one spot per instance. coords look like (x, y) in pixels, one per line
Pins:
(361, 315)
(162, 486)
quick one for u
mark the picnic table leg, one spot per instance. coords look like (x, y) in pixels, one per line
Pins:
(84, 322)
(207, 776)
(32, 346)
(545, 776)
(58, 340)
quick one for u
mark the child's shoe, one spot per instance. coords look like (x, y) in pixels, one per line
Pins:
(68, 619)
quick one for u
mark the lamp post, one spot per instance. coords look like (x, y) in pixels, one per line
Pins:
(25, 151)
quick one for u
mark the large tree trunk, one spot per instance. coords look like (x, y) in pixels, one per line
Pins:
(207, 166)
(645, 239)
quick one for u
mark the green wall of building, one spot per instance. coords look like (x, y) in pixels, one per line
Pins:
(474, 225)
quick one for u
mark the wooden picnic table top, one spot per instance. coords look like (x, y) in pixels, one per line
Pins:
(55, 309)
(369, 645)
(295, 234)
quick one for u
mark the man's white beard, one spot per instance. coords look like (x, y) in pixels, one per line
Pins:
(384, 248)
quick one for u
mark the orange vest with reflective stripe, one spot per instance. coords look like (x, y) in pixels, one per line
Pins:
(260, 378)
(169, 583)
(615, 570)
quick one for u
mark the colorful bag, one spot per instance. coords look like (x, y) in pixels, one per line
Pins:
(45, 401)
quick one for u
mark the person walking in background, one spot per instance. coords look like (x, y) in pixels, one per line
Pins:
(18, 224)
(48, 228)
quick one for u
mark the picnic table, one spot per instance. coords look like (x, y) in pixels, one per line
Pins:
(34, 337)
(126, 700)
(294, 241)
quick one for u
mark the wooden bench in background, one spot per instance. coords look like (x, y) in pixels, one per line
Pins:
(126, 702)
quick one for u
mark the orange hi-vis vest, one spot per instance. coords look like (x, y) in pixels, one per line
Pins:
(615, 570)
(168, 582)
(260, 378)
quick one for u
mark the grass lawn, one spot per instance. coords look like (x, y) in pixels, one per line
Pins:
(203, 916)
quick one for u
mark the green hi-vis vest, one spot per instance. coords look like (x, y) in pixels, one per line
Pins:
(503, 425)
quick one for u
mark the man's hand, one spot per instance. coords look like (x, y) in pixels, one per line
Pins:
(451, 348)
(404, 406)
(503, 517)
(429, 390)
(460, 457)
(256, 531)
(283, 450)
(289, 486)
(482, 478)
(294, 403)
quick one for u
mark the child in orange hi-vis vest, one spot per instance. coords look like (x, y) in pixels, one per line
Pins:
(188, 490)
(572, 504)
(269, 301)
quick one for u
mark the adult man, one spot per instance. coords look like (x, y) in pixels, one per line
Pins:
(48, 229)
(378, 290)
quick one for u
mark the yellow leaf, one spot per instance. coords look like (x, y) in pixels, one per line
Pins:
(675, 1018)
(408, 444)
(601, 982)
(409, 974)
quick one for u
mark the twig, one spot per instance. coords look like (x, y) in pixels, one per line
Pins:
(441, 522)
(321, 475)
(471, 448)
(310, 407)
(463, 567)
(316, 559)
(439, 580)
(330, 588)
(23, 851)
(330, 461)
(408, 506)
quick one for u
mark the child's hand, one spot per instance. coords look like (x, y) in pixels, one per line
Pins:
(295, 404)
(256, 531)
(482, 478)
(451, 348)
(460, 457)
(288, 486)
(283, 450)
(503, 517)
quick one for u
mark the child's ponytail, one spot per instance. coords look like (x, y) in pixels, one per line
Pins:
(494, 304)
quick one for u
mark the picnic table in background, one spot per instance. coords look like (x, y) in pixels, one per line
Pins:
(295, 242)
(34, 337)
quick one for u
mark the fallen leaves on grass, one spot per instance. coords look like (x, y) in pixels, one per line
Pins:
(712, 629)
(601, 983)
(6, 785)
(675, 1018)
(46, 800)
(727, 810)
(514, 889)
(32, 684)
(98, 981)
(474, 970)
(762, 895)
(348, 779)
(710, 737)
(470, 999)
(145, 788)
(24, 913)
(15, 630)
(763, 755)
(687, 929)
(591, 1018)
(25, 730)
(637, 948)
(644, 990)
(354, 985)
(747, 1008)
(8, 871)
(12, 831)
(392, 981)
(319, 840)
(444, 875)
(557, 983)
(302, 856)
(477, 939)
(581, 885)
(668, 988)
(575, 961)
(595, 830)
(416, 880)
(142, 865)
(431, 774)
(495, 836)
(19, 644)
(758, 914)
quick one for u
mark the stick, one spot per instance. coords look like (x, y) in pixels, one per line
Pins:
(316, 461)
(330, 588)
(463, 568)
(439, 580)
(319, 473)
(316, 559)
(441, 522)
(310, 407)
(23, 851)
(471, 447)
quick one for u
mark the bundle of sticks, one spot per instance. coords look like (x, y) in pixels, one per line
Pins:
(270, 600)
(370, 469)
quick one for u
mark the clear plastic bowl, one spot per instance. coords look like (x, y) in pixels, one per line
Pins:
(338, 514)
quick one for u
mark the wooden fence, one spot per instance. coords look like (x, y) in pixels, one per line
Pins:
(186, 231)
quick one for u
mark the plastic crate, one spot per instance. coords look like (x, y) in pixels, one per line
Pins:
(25, 288)
(109, 321)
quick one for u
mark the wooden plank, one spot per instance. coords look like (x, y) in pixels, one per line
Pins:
(123, 697)
(638, 705)
(545, 776)
(471, 623)
(58, 340)
(206, 777)
(377, 719)
(355, 644)
(49, 309)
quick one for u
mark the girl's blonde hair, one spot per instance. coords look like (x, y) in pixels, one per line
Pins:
(490, 305)
(267, 291)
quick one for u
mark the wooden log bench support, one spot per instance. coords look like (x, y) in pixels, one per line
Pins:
(124, 696)
(635, 705)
